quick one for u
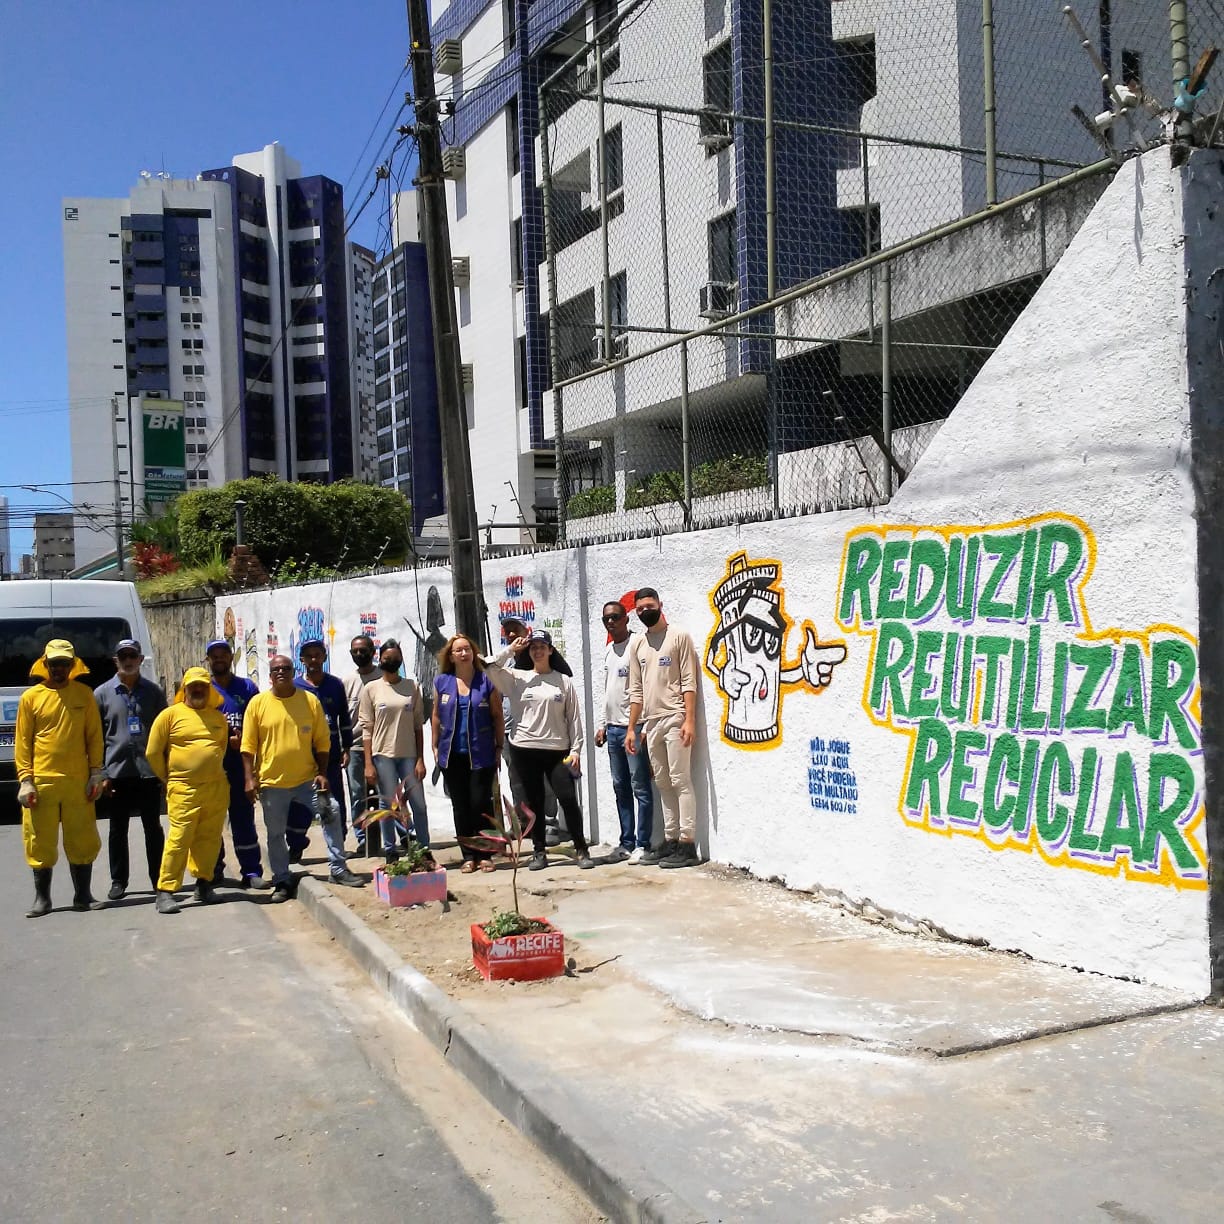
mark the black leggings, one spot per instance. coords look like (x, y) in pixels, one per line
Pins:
(471, 796)
(533, 765)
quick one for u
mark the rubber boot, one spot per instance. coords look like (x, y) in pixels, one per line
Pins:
(82, 897)
(42, 893)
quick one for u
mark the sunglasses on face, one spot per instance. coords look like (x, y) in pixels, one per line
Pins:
(276, 671)
(127, 658)
(612, 617)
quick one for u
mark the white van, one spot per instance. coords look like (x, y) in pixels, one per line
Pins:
(93, 616)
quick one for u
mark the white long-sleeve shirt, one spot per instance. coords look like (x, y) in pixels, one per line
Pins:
(616, 684)
(544, 708)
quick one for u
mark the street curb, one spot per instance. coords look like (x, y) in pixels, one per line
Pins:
(522, 1092)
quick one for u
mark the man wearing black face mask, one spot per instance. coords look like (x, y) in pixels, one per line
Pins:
(663, 697)
(361, 651)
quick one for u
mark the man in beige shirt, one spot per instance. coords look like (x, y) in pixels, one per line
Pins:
(663, 699)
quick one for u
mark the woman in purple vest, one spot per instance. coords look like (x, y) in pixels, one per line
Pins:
(468, 730)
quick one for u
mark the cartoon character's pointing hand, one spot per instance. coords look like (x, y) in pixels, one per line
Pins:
(816, 663)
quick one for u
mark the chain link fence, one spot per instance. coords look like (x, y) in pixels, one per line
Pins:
(781, 244)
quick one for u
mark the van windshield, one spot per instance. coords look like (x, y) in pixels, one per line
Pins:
(94, 639)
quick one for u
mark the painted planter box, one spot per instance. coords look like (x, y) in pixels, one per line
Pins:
(521, 958)
(410, 889)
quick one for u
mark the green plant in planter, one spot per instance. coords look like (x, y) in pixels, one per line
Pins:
(505, 923)
(413, 859)
(493, 841)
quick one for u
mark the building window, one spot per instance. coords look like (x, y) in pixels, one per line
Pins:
(386, 469)
(618, 301)
(1132, 68)
(512, 122)
(521, 371)
(857, 57)
(722, 249)
(508, 7)
(516, 251)
(614, 162)
(718, 93)
(192, 343)
(403, 436)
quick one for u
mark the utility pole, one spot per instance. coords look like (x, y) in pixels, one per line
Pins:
(470, 618)
(114, 422)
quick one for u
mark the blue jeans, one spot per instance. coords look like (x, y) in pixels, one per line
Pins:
(631, 780)
(391, 772)
(297, 834)
(357, 790)
(276, 801)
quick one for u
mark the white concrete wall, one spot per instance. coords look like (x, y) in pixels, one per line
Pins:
(904, 792)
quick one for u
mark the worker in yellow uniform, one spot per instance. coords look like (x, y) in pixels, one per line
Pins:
(186, 750)
(58, 754)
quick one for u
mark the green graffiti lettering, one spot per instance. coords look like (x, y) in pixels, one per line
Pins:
(1096, 662)
(1127, 704)
(1031, 718)
(1004, 549)
(1123, 824)
(1164, 819)
(961, 809)
(961, 584)
(926, 557)
(992, 648)
(1015, 677)
(891, 602)
(956, 709)
(1170, 690)
(1059, 697)
(925, 769)
(922, 705)
(1053, 819)
(1024, 793)
(1080, 838)
(1004, 762)
(862, 565)
(1054, 579)
(891, 672)
(1024, 588)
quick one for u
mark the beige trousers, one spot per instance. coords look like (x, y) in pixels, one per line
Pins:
(671, 765)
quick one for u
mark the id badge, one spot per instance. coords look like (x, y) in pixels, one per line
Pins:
(134, 725)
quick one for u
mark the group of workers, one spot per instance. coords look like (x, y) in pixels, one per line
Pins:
(222, 745)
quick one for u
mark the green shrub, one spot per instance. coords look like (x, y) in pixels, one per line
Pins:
(342, 525)
(599, 500)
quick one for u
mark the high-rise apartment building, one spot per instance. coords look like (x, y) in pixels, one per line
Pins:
(54, 551)
(361, 269)
(8, 563)
(229, 294)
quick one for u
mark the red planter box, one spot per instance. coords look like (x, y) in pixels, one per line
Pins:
(410, 889)
(520, 958)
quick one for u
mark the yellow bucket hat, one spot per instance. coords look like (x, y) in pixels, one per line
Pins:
(197, 675)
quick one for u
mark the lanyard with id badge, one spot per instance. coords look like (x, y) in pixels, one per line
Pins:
(134, 724)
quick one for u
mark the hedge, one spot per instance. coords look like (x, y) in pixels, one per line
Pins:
(336, 525)
(726, 475)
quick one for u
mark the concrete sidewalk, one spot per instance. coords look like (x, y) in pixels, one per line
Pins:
(726, 1050)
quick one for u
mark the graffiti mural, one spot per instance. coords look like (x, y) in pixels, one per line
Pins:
(745, 652)
(229, 628)
(251, 650)
(1028, 728)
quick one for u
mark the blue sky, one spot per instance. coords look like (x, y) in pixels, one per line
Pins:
(92, 93)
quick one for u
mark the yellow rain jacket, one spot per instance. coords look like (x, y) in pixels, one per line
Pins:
(59, 731)
(186, 750)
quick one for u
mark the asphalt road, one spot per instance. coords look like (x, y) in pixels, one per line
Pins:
(224, 1063)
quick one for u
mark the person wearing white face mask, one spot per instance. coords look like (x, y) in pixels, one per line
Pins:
(186, 751)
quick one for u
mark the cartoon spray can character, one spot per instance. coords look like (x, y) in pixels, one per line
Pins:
(744, 653)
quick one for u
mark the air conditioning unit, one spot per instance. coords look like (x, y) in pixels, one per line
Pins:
(716, 300)
(448, 57)
(461, 269)
(620, 348)
(454, 163)
(468, 375)
(714, 131)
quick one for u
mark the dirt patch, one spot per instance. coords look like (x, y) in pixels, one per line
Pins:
(436, 939)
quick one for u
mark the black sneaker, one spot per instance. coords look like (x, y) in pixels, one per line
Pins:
(347, 878)
(280, 894)
(685, 855)
(166, 904)
(116, 891)
(658, 854)
(539, 860)
(554, 837)
(618, 854)
(585, 861)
